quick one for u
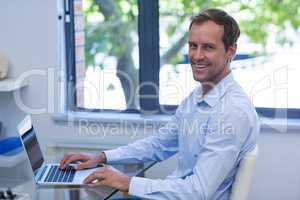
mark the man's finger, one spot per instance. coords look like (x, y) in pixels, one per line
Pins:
(90, 178)
(65, 158)
(84, 165)
(72, 158)
(98, 183)
(95, 176)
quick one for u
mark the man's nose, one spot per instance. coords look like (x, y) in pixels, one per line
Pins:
(198, 54)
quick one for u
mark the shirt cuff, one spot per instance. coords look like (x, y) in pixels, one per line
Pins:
(112, 155)
(139, 186)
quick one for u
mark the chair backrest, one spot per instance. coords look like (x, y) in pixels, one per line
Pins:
(242, 183)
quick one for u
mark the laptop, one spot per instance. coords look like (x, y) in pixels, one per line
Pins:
(47, 174)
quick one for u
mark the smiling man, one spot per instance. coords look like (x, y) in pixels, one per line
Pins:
(209, 55)
(212, 129)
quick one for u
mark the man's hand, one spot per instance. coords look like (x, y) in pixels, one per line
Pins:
(108, 176)
(88, 160)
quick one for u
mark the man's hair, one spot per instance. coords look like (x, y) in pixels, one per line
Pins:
(220, 17)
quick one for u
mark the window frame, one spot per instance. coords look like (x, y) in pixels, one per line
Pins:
(149, 66)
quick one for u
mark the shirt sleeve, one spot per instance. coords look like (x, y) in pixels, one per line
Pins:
(157, 147)
(216, 158)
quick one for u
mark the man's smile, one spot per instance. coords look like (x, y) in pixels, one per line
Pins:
(198, 66)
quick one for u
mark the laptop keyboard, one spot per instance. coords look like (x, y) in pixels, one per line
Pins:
(42, 174)
(55, 174)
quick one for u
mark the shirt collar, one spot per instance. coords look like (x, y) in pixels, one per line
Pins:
(214, 95)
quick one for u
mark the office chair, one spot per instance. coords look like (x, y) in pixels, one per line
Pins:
(242, 183)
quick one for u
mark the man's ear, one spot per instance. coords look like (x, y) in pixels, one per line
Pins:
(231, 51)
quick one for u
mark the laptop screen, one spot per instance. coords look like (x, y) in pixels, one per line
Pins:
(32, 147)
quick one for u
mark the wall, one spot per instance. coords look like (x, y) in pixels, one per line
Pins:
(29, 38)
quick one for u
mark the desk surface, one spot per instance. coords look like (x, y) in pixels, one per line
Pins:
(71, 192)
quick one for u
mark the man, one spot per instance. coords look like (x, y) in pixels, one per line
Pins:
(211, 130)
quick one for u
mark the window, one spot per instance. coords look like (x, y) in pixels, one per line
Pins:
(112, 53)
(131, 55)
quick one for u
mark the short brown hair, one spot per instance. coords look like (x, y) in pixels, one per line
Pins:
(220, 17)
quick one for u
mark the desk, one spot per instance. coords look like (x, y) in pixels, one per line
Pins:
(78, 192)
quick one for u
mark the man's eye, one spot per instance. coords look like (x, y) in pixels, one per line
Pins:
(193, 46)
(208, 47)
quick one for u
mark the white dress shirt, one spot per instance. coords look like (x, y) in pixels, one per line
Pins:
(211, 134)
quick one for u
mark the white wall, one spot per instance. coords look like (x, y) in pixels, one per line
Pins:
(28, 36)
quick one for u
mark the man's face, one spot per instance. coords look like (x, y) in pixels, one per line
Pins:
(207, 54)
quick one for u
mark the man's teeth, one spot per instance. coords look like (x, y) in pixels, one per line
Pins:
(200, 66)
